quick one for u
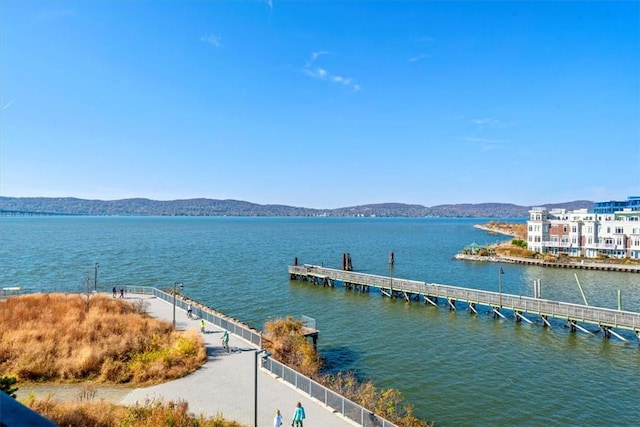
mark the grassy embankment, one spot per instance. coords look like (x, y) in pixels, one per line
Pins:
(97, 340)
(285, 341)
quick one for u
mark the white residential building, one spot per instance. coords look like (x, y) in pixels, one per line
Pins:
(583, 233)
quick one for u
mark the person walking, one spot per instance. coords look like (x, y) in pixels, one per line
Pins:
(298, 416)
(115, 292)
(225, 340)
(202, 326)
(277, 420)
(190, 311)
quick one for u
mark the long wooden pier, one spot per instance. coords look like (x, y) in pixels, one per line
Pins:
(521, 306)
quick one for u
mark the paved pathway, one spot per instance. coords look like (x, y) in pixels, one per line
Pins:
(225, 384)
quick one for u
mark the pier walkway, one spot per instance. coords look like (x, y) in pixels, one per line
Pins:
(607, 319)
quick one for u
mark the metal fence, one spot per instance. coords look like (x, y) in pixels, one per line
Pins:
(234, 327)
(338, 403)
(317, 391)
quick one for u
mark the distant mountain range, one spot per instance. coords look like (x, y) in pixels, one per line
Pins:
(211, 207)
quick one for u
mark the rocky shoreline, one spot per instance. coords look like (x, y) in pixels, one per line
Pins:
(581, 265)
(482, 258)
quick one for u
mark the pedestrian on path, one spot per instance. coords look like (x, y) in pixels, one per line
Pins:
(202, 326)
(115, 292)
(190, 311)
(225, 340)
(277, 420)
(298, 415)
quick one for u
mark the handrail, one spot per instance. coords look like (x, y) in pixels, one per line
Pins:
(335, 401)
(589, 314)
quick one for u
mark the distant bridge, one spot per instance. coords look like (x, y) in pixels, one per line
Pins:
(521, 307)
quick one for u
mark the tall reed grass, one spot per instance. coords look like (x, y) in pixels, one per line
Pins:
(70, 338)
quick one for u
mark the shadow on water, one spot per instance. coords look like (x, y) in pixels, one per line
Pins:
(338, 359)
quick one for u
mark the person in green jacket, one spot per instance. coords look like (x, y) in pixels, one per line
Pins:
(225, 340)
(298, 416)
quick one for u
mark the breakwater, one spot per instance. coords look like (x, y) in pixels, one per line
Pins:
(578, 265)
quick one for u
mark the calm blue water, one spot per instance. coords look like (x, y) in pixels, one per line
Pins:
(455, 368)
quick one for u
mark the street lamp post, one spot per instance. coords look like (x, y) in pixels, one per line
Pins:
(255, 383)
(500, 273)
(95, 276)
(174, 300)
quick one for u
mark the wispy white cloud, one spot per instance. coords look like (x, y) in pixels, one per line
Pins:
(418, 57)
(270, 4)
(485, 122)
(314, 56)
(311, 70)
(481, 126)
(487, 144)
(212, 40)
(7, 105)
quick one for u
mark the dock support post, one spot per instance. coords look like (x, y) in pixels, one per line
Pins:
(572, 325)
(472, 308)
(496, 313)
(435, 304)
(452, 304)
(545, 321)
(520, 317)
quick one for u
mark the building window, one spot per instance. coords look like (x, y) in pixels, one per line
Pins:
(619, 230)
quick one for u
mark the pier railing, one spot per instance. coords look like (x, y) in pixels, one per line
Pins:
(218, 319)
(575, 312)
(333, 400)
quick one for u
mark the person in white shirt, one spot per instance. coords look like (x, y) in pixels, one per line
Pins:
(277, 420)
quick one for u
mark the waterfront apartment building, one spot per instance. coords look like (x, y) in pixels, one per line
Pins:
(611, 230)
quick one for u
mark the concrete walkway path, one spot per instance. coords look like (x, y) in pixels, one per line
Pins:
(225, 383)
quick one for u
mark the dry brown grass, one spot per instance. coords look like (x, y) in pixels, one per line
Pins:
(508, 249)
(70, 338)
(102, 414)
(517, 230)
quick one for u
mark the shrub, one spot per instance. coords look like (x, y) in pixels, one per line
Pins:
(7, 386)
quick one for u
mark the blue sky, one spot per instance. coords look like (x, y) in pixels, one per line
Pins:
(321, 104)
